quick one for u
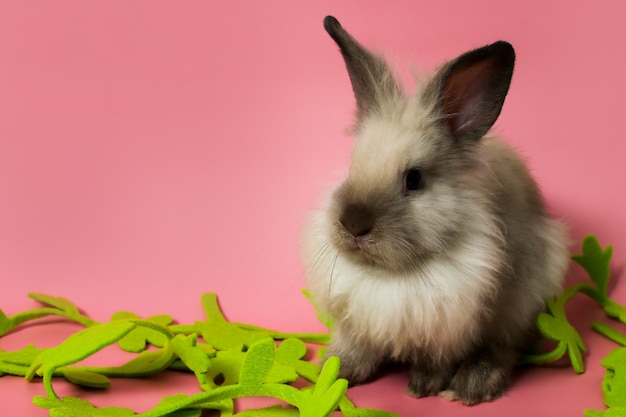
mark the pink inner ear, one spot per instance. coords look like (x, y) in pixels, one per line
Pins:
(463, 95)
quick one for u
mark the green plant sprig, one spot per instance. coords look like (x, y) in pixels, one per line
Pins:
(233, 360)
(554, 325)
(229, 361)
(57, 306)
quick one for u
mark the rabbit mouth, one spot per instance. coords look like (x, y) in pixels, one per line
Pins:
(357, 246)
(373, 251)
(361, 249)
(357, 243)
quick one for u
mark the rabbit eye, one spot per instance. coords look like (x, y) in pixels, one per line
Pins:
(412, 180)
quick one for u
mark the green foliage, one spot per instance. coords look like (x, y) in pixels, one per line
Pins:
(139, 338)
(554, 325)
(234, 360)
(246, 361)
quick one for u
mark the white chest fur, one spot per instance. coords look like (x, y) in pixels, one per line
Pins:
(436, 308)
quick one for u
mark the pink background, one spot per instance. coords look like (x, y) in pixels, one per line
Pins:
(151, 151)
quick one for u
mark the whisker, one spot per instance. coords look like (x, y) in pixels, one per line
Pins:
(429, 278)
(332, 273)
(319, 256)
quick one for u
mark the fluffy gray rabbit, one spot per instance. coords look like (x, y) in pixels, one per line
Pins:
(437, 249)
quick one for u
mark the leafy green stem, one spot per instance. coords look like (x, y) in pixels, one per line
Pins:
(18, 319)
(317, 338)
(543, 358)
(610, 333)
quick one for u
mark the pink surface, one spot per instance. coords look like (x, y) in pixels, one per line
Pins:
(151, 151)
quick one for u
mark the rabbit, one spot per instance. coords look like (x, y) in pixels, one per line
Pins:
(437, 251)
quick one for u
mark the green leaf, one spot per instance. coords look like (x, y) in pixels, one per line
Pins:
(543, 358)
(555, 326)
(77, 407)
(170, 404)
(22, 357)
(146, 363)
(550, 327)
(611, 412)
(575, 350)
(324, 318)
(221, 334)
(349, 410)
(257, 364)
(368, 412)
(79, 346)
(187, 412)
(57, 302)
(614, 382)
(192, 356)
(227, 364)
(317, 338)
(596, 261)
(142, 336)
(324, 398)
(177, 403)
(273, 411)
(610, 333)
(85, 378)
(329, 374)
(617, 311)
(5, 324)
(290, 352)
(17, 363)
(8, 368)
(594, 413)
(225, 406)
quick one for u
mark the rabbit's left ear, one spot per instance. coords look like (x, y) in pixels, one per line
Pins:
(470, 90)
(372, 81)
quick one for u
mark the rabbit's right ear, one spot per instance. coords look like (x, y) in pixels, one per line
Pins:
(372, 81)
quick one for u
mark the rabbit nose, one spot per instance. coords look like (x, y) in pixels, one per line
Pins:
(358, 219)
